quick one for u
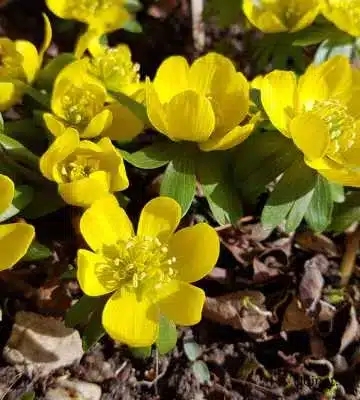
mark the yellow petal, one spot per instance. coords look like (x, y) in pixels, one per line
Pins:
(98, 124)
(308, 17)
(9, 95)
(190, 117)
(263, 19)
(229, 140)
(172, 77)
(159, 218)
(155, 110)
(84, 40)
(59, 8)
(196, 250)
(125, 125)
(312, 87)
(7, 191)
(88, 274)
(310, 134)
(61, 148)
(84, 192)
(31, 61)
(211, 73)
(53, 125)
(343, 15)
(338, 75)
(131, 320)
(114, 163)
(278, 98)
(15, 240)
(105, 223)
(47, 38)
(184, 304)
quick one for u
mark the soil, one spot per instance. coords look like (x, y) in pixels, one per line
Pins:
(304, 348)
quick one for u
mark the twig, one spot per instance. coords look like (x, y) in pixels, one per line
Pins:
(197, 8)
(348, 262)
(149, 384)
(274, 392)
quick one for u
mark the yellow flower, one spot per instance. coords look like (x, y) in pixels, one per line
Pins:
(203, 103)
(320, 112)
(15, 238)
(79, 101)
(150, 272)
(281, 15)
(114, 68)
(101, 16)
(345, 14)
(83, 170)
(19, 62)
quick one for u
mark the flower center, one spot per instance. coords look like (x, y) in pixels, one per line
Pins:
(80, 105)
(79, 167)
(342, 126)
(10, 60)
(82, 9)
(141, 263)
(115, 69)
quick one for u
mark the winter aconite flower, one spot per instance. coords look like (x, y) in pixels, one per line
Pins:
(83, 170)
(345, 14)
(80, 100)
(114, 68)
(19, 63)
(281, 15)
(101, 16)
(149, 272)
(320, 112)
(15, 238)
(203, 103)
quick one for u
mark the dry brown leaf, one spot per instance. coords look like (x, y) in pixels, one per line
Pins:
(295, 317)
(242, 310)
(316, 242)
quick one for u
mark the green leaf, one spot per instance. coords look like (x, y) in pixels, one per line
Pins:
(80, 312)
(346, 213)
(18, 152)
(133, 6)
(192, 349)
(314, 34)
(298, 211)
(214, 176)
(133, 26)
(297, 181)
(48, 74)
(151, 157)
(337, 192)
(28, 396)
(37, 252)
(136, 108)
(167, 337)
(23, 196)
(45, 201)
(94, 330)
(256, 165)
(179, 181)
(225, 12)
(318, 215)
(343, 45)
(141, 352)
(201, 372)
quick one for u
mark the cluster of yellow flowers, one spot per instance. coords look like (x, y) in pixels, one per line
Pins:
(293, 15)
(207, 103)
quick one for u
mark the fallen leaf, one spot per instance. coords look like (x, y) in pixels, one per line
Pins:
(295, 317)
(262, 272)
(243, 310)
(316, 242)
(312, 282)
